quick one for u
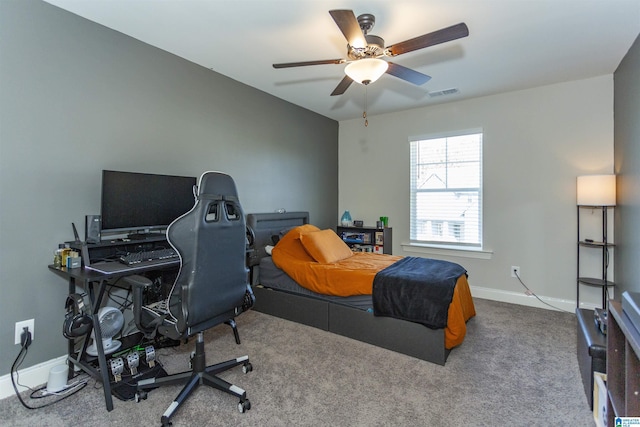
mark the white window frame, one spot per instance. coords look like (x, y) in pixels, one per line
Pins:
(414, 224)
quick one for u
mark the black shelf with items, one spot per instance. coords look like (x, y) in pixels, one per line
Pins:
(623, 365)
(604, 246)
(367, 239)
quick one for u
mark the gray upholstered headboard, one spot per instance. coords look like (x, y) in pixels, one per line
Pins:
(266, 225)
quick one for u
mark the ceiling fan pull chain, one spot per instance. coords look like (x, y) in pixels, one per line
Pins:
(364, 113)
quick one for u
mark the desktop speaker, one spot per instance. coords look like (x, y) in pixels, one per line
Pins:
(92, 227)
(76, 322)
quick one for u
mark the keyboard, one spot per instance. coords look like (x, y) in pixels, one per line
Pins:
(133, 258)
(117, 267)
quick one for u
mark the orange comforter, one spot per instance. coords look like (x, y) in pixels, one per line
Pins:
(354, 276)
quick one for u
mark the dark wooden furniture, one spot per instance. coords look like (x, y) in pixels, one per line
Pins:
(591, 350)
(367, 239)
(623, 365)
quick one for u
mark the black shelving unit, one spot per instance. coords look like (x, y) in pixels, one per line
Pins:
(623, 365)
(366, 239)
(605, 247)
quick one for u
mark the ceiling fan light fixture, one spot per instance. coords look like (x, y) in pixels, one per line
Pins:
(367, 70)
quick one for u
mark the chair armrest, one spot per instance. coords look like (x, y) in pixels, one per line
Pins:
(138, 281)
(138, 284)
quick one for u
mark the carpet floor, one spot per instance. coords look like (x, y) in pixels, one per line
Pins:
(517, 366)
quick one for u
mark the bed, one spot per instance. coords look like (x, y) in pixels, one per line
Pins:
(352, 315)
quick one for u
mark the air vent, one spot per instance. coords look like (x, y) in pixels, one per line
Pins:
(444, 92)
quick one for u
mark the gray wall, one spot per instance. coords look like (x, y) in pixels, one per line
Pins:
(627, 167)
(536, 141)
(76, 98)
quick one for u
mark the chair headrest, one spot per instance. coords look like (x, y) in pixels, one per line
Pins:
(216, 185)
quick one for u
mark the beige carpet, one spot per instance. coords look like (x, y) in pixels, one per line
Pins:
(517, 366)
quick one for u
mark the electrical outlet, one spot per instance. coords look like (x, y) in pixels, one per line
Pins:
(515, 270)
(30, 324)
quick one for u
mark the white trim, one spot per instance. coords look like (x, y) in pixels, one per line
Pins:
(442, 250)
(33, 376)
(529, 300)
(445, 134)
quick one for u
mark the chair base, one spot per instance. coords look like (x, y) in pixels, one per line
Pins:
(199, 375)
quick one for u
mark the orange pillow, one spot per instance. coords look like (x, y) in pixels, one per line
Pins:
(325, 246)
(289, 245)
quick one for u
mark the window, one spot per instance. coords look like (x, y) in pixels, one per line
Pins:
(446, 190)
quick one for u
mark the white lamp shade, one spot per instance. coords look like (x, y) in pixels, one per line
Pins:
(365, 71)
(597, 190)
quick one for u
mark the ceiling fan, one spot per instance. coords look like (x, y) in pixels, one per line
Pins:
(364, 51)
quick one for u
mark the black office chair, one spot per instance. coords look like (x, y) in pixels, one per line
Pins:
(211, 288)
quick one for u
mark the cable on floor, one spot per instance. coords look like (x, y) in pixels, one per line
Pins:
(530, 292)
(69, 391)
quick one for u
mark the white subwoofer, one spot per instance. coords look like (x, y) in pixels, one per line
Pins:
(57, 378)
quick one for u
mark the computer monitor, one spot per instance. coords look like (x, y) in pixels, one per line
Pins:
(143, 203)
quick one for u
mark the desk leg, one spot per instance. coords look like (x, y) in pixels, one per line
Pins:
(71, 342)
(102, 360)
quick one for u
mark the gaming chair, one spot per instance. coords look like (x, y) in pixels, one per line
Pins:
(211, 287)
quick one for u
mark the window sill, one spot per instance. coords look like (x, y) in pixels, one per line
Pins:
(446, 250)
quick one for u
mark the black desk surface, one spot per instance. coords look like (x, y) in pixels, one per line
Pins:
(88, 274)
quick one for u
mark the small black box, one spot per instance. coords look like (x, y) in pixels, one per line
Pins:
(92, 228)
(600, 317)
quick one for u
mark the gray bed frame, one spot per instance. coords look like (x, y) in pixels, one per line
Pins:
(402, 336)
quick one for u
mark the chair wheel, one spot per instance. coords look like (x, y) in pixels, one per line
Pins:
(141, 395)
(244, 406)
(247, 367)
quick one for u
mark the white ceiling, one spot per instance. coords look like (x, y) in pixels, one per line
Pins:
(512, 44)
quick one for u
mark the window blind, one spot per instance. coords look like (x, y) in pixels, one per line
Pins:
(446, 190)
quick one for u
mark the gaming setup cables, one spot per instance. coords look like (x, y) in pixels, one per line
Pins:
(41, 392)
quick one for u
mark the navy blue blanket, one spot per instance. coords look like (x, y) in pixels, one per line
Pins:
(416, 289)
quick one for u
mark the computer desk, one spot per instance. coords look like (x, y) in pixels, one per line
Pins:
(95, 284)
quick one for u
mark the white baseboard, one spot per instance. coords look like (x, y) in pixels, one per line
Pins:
(33, 376)
(531, 301)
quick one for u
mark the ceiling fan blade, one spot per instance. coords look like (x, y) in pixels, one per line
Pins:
(404, 73)
(305, 63)
(441, 36)
(348, 24)
(342, 86)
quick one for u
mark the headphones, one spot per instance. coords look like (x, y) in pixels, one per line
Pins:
(76, 322)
